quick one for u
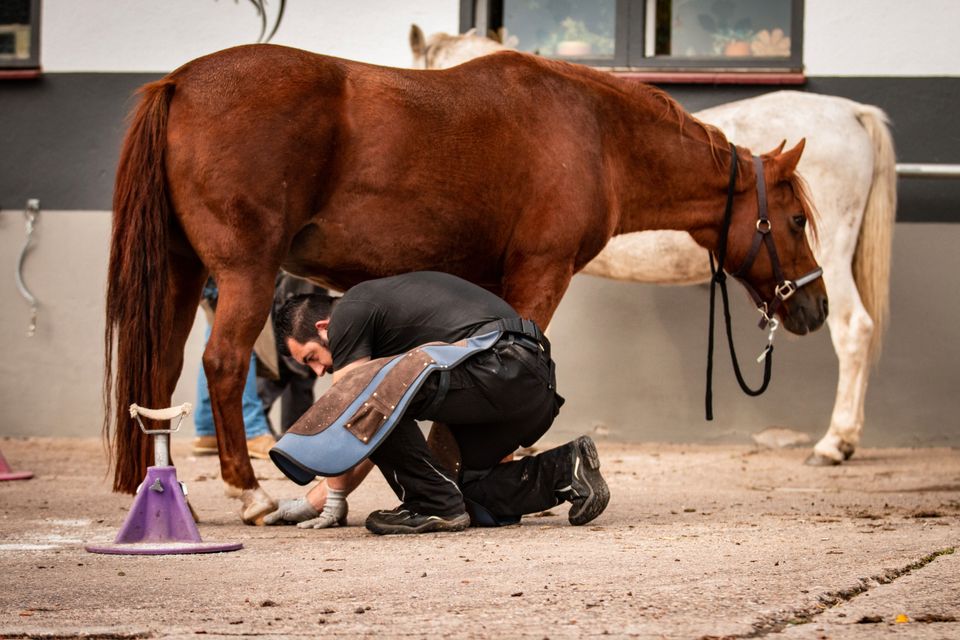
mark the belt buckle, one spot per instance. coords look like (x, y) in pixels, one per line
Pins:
(529, 343)
(528, 328)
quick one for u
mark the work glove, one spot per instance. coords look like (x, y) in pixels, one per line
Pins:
(334, 512)
(291, 511)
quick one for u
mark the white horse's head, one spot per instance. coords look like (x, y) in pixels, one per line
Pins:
(442, 50)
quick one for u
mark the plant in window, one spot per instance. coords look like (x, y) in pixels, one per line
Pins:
(729, 38)
(770, 44)
(576, 40)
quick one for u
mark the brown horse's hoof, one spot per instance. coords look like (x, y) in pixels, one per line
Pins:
(816, 460)
(257, 503)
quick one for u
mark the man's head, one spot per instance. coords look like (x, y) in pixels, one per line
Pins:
(301, 330)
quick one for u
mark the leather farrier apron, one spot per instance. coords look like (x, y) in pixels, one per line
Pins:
(350, 421)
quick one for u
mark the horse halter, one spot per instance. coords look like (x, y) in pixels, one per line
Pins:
(784, 288)
(782, 291)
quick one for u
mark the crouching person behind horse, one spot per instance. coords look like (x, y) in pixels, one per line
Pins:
(487, 379)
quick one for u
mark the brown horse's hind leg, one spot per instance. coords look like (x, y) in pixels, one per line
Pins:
(242, 307)
(187, 275)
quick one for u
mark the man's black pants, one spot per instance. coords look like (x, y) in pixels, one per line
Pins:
(497, 401)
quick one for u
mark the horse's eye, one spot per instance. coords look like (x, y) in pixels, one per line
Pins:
(800, 220)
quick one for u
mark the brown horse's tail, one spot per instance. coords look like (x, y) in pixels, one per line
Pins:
(871, 260)
(137, 307)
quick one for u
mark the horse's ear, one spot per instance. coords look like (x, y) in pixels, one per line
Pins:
(786, 162)
(778, 150)
(417, 42)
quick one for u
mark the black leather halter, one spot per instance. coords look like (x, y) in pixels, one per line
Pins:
(783, 290)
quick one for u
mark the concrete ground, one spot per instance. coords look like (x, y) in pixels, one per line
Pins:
(698, 542)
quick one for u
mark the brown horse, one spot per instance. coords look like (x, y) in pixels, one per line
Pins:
(511, 171)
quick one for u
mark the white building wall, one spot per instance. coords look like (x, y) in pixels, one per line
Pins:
(161, 35)
(841, 38)
(881, 38)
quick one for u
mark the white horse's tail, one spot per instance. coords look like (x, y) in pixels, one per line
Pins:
(871, 260)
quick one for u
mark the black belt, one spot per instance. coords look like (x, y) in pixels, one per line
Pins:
(521, 331)
(519, 327)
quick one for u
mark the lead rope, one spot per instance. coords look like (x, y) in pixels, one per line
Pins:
(718, 277)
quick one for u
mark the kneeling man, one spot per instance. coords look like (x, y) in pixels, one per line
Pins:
(501, 397)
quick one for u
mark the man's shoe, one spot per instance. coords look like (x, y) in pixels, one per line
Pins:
(205, 445)
(588, 492)
(402, 520)
(260, 446)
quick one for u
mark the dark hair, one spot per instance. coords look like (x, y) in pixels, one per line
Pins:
(298, 316)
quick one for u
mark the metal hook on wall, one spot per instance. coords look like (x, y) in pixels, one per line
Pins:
(30, 213)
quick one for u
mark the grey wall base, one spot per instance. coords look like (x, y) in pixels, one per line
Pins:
(630, 357)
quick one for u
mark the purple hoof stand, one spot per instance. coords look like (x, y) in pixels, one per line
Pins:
(160, 522)
(8, 474)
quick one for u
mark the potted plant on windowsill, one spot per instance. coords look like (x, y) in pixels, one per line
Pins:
(577, 41)
(733, 43)
(771, 44)
(730, 38)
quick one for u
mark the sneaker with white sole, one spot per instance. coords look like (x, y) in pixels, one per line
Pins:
(588, 493)
(401, 520)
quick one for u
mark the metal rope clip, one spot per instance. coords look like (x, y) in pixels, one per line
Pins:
(31, 212)
(773, 323)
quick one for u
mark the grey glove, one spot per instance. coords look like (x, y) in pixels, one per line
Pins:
(291, 511)
(334, 512)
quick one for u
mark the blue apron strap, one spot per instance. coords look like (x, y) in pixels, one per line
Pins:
(443, 385)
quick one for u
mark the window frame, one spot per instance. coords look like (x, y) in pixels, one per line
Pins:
(33, 61)
(631, 42)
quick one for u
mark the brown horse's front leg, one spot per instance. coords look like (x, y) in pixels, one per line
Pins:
(243, 306)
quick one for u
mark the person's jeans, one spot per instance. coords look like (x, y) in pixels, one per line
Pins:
(254, 419)
(294, 392)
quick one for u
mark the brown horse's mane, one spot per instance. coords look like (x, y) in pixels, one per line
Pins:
(672, 109)
(802, 191)
(712, 136)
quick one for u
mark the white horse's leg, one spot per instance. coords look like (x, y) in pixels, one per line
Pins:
(851, 329)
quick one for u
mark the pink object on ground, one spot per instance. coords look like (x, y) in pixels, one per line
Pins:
(7, 474)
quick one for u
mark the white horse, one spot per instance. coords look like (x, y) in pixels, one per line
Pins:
(850, 167)
(442, 50)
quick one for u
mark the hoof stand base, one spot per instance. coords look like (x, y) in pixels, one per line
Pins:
(160, 522)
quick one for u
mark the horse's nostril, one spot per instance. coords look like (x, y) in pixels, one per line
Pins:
(825, 306)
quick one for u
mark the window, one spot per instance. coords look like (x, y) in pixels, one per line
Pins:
(565, 29)
(19, 34)
(679, 35)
